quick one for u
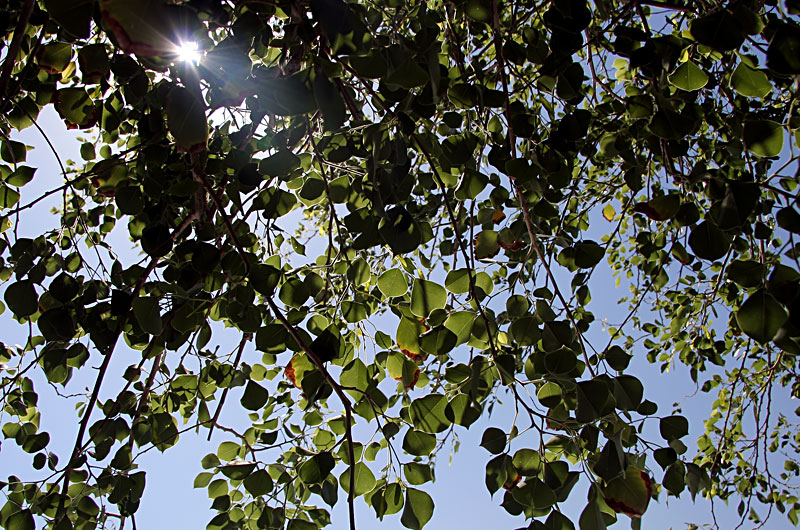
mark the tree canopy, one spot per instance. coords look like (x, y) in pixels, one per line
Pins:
(361, 225)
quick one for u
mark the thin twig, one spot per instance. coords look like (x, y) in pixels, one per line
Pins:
(77, 448)
(245, 339)
(523, 204)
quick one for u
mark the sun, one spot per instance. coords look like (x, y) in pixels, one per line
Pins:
(188, 52)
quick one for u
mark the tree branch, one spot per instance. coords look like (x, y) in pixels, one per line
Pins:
(13, 51)
(77, 448)
(348, 407)
(245, 339)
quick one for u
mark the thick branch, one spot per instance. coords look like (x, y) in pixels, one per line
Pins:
(13, 50)
(666, 5)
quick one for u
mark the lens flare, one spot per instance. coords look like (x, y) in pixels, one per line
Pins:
(188, 52)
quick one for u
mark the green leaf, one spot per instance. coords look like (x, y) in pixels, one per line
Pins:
(588, 254)
(140, 27)
(217, 488)
(75, 107)
(708, 241)
(95, 65)
(393, 283)
(611, 462)
(688, 76)
(534, 493)
(628, 392)
(129, 199)
(675, 478)
(592, 517)
(720, 30)
(75, 16)
(478, 10)
(427, 296)
(354, 311)
(789, 219)
(696, 479)
(549, 394)
(525, 331)
(617, 358)
(672, 125)
(493, 440)
(486, 244)
(148, 314)
(595, 400)
(497, 472)
(665, 456)
(355, 375)
(390, 500)
(294, 293)
(186, 119)
(408, 334)
(417, 474)
(470, 185)
(21, 520)
(238, 470)
(370, 66)
(358, 272)
(228, 451)
(330, 102)
(318, 467)
(255, 396)
(460, 323)
(400, 230)
(673, 427)
(418, 509)
(55, 57)
(418, 443)
(660, 208)
(750, 82)
(462, 410)
(258, 483)
(281, 164)
(763, 137)
(517, 305)
(457, 281)
(748, 273)
(264, 279)
(640, 106)
(783, 54)
(408, 75)
(527, 462)
(401, 368)
(428, 413)
(438, 341)
(21, 298)
(364, 479)
(301, 524)
(21, 176)
(761, 316)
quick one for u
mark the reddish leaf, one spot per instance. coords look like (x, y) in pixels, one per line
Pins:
(659, 208)
(290, 374)
(629, 494)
